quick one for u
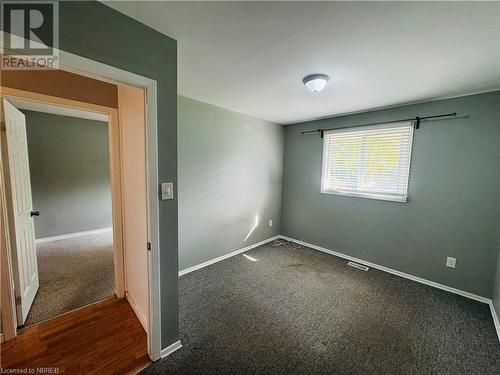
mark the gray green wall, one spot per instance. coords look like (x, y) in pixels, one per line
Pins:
(453, 208)
(230, 170)
(69, 168)
(95, 31)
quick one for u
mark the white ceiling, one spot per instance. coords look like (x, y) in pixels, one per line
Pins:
(251, 56)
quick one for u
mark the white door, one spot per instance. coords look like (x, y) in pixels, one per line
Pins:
(23, 233)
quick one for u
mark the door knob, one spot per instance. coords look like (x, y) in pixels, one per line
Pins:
(35, 213)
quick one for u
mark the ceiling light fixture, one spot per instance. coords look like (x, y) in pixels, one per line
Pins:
(315, 82)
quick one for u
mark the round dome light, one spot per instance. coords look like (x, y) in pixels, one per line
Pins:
(315, 82)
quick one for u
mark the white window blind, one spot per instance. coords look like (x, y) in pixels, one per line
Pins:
(368, 161)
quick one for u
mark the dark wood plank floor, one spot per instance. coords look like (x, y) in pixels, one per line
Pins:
(103, 338)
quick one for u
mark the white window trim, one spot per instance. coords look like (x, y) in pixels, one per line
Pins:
(367, 194)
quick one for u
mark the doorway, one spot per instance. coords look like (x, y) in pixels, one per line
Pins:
(71, 198)
(122, 147)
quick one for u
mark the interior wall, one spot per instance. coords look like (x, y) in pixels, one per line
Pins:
(230, 172)
(454, 196)
(69, 169)
(95, 31)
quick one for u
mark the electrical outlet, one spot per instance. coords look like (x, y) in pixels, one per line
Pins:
(451, 262)
(270, 223)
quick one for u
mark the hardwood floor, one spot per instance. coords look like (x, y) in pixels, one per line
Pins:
(103, 338)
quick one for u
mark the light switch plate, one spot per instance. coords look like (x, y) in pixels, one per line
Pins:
(451, 262)
(167, 190)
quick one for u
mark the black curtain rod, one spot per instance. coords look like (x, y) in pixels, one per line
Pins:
(417, 121)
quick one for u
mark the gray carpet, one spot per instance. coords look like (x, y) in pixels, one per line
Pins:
(306, 312)
(72, 273)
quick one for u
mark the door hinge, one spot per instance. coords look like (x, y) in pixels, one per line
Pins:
(18, 300)
(148, 246)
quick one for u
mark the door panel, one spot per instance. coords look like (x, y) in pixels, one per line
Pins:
(23, 232)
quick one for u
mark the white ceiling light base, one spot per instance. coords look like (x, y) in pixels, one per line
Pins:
(315, 82)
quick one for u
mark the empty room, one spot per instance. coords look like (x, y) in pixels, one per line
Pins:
(293, 187)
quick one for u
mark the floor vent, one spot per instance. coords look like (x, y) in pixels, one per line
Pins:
(358, 266)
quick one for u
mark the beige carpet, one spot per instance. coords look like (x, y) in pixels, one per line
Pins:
(73, 273)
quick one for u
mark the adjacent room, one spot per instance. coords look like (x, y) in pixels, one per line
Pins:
(71, 192)
(322, 178)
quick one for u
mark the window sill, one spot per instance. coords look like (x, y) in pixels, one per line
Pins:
(381, 197)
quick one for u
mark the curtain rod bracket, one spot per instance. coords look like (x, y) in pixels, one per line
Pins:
(417, 122)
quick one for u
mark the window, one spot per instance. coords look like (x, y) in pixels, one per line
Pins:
(368, 161)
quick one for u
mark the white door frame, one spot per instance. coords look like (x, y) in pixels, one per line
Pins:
(90, 68)
(94, 69)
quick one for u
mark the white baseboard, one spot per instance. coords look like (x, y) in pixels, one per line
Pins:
(472, 296)
(495, 319)
(73, 235)
(170, 349)
(392, 271)
(232, 254)
(137, 311)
